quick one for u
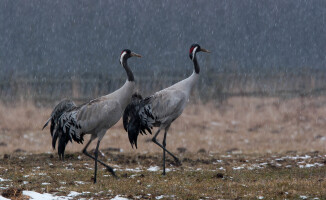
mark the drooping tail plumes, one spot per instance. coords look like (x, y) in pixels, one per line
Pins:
(56, 129)
(133, 121)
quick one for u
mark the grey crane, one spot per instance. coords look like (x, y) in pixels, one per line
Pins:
(70, 122)
(161, 108)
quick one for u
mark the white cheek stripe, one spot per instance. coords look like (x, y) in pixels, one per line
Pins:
(122, 55)
(193, 52)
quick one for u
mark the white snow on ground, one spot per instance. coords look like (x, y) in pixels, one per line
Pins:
(159, 197)
(1, 179)
(80, 182)
(153, 168)
(2, 198)
(216, 124)
(237, 168)
(73, 193)
(46, 196)
(297, 157)
(131, 170)
(164, 196)
(118, 197)
(311, 165)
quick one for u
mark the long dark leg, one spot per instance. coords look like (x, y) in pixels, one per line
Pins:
(155, 141)
(96, 156)
(164, 145)
(110, 169)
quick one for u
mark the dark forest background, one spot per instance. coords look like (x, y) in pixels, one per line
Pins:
(53, 49)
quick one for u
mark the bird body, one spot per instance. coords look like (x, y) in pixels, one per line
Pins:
(70, 122)
(163, 107)
(103, 112)
(169, 103)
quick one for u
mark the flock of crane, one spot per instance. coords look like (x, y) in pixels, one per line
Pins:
(70, 122)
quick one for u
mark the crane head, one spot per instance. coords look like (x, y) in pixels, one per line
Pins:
(126, 53)
(194, 49)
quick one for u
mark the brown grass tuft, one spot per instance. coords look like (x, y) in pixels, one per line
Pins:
(250, 125)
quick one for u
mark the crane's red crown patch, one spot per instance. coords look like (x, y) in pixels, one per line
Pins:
(191, 49)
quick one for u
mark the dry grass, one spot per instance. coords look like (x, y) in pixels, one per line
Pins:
(249, 125)
(202, 176)
(250, 145)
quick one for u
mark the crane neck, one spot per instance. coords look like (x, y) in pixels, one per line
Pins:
(128, 70)
(196, 65)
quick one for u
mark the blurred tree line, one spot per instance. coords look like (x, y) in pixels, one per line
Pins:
(42, 40)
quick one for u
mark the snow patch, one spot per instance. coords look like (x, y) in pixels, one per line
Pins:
(237, 168)
(132, 170)
(46, 196)
(2, 198)
(216, 124)
(118, 197)
(311, 165)
(73, 194)
(80, 182)
(153, 168)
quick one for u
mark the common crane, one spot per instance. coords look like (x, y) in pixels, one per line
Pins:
(162, 108)
(70, 122)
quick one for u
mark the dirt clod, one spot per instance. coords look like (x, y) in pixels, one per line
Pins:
(12, 193)
(219, 175)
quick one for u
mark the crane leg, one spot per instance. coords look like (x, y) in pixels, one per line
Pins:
(110, 169)
(96, 156)
(164, 149)
(164, 145)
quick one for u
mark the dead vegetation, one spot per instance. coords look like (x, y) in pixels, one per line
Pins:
(248, 125)
(244, 148)
(202, 176)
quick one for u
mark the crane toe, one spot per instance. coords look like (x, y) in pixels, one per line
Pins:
(177, 162)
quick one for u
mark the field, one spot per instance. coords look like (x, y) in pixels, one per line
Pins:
(244, 148)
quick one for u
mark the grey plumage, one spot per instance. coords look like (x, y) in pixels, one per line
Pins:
(70, 122)
(163, 107)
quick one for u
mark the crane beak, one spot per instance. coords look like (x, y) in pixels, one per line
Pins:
(134, 54)
(204, 50)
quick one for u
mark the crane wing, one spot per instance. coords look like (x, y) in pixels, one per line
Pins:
(161, 108)
(75, 122)
(164, 106)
